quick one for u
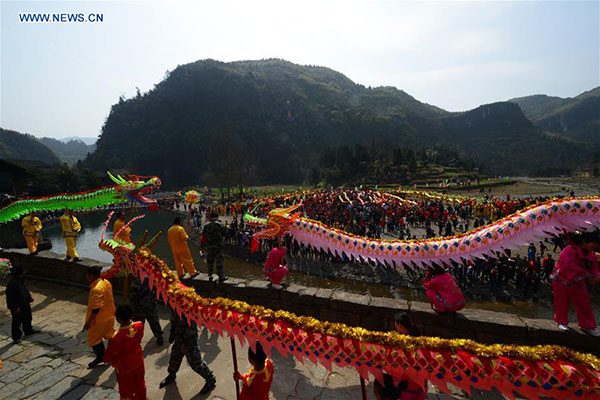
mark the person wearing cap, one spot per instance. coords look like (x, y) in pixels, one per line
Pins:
(125, 354)
(577, 266)
(182, 257)
(18, 301)
(31, 231)
(213, 240)
(70, 229)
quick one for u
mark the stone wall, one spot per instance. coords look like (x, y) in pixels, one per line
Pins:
(374, 313)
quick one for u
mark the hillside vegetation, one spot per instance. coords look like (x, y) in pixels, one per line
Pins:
(271, 120)
(70, 151)
(15, 145)
(576, 118)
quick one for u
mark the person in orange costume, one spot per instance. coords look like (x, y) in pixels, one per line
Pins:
(125, 353)
(100, 318)
(125, 233)
(31, 230)
(257, 382)
(70, 229)
(181, 252)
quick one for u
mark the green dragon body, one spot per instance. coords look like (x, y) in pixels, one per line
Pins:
(125, 188)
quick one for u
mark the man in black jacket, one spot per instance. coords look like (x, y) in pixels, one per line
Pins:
(18, 301)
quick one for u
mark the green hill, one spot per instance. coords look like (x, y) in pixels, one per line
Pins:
(576, 118)
(271, 119)
(15, 145)
(70, 151)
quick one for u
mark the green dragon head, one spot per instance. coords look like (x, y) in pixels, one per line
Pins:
(133, 187)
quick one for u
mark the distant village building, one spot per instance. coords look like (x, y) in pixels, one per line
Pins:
(16, 175)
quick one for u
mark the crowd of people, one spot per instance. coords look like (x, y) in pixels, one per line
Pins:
(358, 212)
(505, 275)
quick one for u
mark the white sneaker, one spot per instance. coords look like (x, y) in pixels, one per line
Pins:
(277, 286)
(591, 332)
(563, 327)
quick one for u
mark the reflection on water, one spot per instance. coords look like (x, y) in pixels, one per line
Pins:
(93, 223)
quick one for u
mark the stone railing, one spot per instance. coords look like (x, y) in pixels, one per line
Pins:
(374, 313)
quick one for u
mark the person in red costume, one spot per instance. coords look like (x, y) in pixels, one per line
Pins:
(257, 382)
(577, 265)
(275, 269)
(442, 290)
(125, 353)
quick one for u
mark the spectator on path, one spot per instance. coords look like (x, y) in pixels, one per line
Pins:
(448, 229)
(275, 266)
(213, 240)
(543, 249)
(442, 291)
(144, 304)
(576, 266)
(257, 382)
(18, 301)
(182, 257)
(531, 252)
(100, 317)
(557, 242)
(410, 390)
(548, 266)
(31, 231)
(119, 232)
(184, 337)
(125, 354)
(70, 230)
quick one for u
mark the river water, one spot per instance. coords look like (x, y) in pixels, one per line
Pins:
(93, 222)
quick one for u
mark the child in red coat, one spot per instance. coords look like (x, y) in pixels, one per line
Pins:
(257, 382)
(124, 352)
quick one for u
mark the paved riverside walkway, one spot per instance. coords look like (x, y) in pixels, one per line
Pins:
(52, 364)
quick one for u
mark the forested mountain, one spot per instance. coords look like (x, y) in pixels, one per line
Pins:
(271, 119)
(576, 118)
(70, 151)
(85, 139)
(15, 145)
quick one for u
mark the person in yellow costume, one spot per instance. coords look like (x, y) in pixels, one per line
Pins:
(70, 229)
(31, 231)
(100, 317)
(181, 252)
(125, 234)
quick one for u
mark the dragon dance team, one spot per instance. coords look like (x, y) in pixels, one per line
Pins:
(576, 268)
(69, 224)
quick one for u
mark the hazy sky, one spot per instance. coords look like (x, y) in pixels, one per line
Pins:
(60, 79)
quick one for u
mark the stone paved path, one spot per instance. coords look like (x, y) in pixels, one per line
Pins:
(52, 364)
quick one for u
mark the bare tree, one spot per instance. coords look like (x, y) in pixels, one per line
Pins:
(230, 162)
